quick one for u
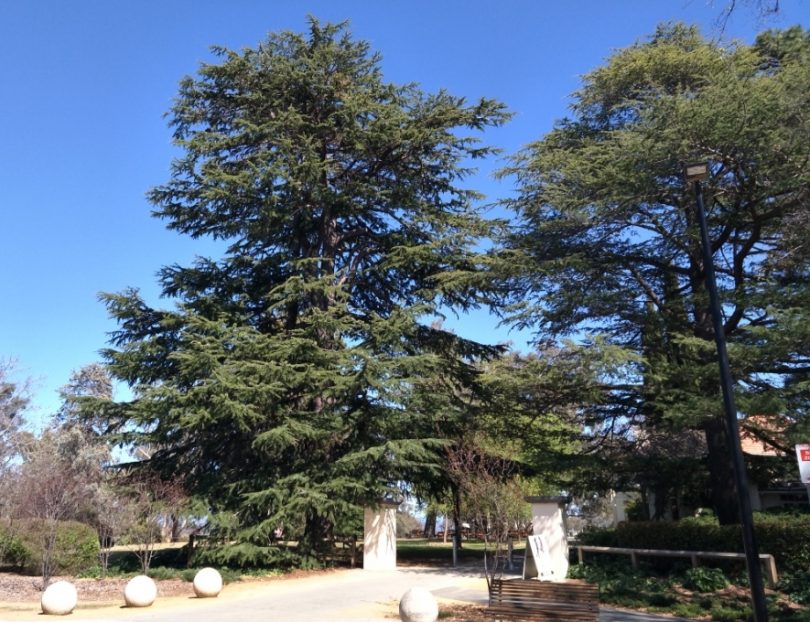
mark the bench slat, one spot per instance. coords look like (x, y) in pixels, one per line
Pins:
(562, 593)
(545, 616)
(540, 601)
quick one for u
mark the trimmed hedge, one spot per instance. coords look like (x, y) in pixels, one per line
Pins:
(75, 548)
(785, 537)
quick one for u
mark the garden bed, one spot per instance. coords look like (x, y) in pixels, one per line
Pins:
(25, 588)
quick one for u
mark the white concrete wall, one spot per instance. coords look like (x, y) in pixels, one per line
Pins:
(548, 521)
(619, 508)
(380, 538)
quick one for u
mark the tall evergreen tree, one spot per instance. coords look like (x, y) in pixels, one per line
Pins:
(278, 386)
(608, 234)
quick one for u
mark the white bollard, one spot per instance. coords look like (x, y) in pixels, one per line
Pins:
(59, 599)
(418, 605)
(140, 591)
(207, 583)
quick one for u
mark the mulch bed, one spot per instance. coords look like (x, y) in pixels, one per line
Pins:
(15, 588)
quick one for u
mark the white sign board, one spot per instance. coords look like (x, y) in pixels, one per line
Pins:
(803, 456)
(542, 561)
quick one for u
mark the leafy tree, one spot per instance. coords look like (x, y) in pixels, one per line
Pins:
(56, 481)
(115, 513)
(762, 8)
(89, 388)
(108, 507)
(490, 497)
(607, 232)
(277, 387)
(153, 502)
(13, 401)
(542, 408)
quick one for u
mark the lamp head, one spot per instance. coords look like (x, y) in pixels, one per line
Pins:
(697, 171)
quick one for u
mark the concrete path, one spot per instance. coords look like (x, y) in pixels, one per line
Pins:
(351, 595)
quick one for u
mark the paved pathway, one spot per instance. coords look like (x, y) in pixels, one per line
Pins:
(351, 595)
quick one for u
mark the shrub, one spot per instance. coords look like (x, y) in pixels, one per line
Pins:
(662, 599)
(246, 555)
(598, 537)
(75, 548)
(785, 536)
(689, 611)
(12, 550)
(729, 614)
(796, 586)
(704, 579)
(800, 615)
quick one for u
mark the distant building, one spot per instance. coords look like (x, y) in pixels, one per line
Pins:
(773, 477)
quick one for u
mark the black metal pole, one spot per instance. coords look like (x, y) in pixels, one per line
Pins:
(732, 429)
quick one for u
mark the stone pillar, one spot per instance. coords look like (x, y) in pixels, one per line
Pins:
(380, 537)
(619, 508)
(551, 540)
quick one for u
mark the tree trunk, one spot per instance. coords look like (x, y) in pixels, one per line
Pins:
(177, 527)
(430, 524)
(317, 537)
(721, 474)
(661, 499)
(457, 515)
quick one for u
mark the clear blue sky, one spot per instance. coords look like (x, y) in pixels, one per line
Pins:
(85, 84)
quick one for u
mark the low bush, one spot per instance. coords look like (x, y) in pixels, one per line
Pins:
(704, 597)
(797, 586)
(247, 555)
(75, 549)
(729, 614)
(12, 551)
(785, 536)
(704, 579)
(620, 584)
(690, 611)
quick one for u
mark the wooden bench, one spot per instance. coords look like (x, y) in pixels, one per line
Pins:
(532, 600)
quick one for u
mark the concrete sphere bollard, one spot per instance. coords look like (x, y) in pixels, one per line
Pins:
(207, 583)
(59, 599)
(140, 591)
(418, 605)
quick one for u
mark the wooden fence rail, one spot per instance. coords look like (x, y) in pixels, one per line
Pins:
(768, 562)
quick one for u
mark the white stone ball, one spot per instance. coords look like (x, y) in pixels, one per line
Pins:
(207, 583)
(418, 605)
(140, 591)
(59, 599)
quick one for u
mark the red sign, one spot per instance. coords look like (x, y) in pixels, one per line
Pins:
(803, 458)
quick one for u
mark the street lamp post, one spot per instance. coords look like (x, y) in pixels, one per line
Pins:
(696, 173)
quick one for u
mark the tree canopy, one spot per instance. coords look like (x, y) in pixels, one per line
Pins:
(606, 240)
(300, 374)
(13, 402)
(279, 385)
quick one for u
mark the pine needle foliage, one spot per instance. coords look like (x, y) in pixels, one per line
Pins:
(607, 242)
(278, 387)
